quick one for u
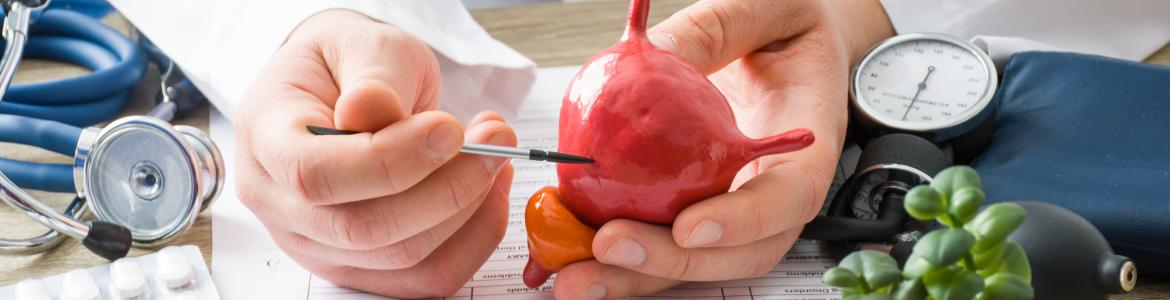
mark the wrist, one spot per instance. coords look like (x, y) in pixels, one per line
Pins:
(861, 24)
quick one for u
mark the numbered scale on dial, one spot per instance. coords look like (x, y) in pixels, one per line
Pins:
(923, 83)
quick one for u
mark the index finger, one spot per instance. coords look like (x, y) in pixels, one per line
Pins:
(711, 34)
(344, 168)
(778, 200)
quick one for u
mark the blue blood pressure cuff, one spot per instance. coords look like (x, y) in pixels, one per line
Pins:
(1090, 134)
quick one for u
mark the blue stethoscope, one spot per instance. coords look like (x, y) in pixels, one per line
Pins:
(142, 178)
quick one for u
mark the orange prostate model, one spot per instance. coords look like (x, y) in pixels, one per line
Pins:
(559, 236)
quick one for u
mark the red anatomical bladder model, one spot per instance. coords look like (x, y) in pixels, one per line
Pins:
(661, 135)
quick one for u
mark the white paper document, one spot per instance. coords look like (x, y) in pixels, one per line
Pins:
(246, 264)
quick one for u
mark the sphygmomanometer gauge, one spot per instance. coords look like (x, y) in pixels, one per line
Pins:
(931, 85)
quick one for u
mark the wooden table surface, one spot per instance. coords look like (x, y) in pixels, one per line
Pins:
(550, 34)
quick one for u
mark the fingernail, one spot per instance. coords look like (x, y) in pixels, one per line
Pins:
(664, 42)
(625, 252)
(443, 141)
(493, 163)
(706, 232)
(595, 291)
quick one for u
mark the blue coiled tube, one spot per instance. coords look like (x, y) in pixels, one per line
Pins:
(46, 114)
(66, 36)
(50, 135)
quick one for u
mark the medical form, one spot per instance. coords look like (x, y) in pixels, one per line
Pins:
(246, 264)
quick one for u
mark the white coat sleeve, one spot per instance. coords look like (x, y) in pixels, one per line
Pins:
(1130, 30)
(223, 44)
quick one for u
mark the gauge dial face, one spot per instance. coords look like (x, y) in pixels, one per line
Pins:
(923, 82)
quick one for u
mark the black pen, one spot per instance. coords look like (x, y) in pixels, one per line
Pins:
(489, 150)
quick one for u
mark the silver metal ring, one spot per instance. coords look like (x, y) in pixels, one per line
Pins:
(162, 136)
(946, 131)
(899, 167)
(212, 162)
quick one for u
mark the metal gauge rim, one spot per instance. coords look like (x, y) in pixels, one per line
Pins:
(190, 209)
(969, 116)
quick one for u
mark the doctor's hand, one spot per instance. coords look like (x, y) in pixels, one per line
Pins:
(394, 210)
(782, 65)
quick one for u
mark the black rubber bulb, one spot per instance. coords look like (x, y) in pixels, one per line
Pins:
(1070, 259)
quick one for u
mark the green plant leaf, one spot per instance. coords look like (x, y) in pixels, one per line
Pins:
(842, 278)
(993, 225)
(965, 203)
(924, 203)
(876, 268)
(1006, 286)
(952, 283)
(912, 289)
(943, 247)
(1015, 261)
(850, 293)
(916, 267)
(955, 178)
(987, 262)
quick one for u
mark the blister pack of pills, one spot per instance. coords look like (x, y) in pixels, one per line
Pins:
(176, 272)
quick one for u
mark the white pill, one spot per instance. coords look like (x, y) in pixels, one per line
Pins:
(127, 278)
(79, 285)
(32, 289)
(173, 268)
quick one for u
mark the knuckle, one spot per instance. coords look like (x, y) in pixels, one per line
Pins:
(298, 175)
(349, 229)
(764, 263)
(760, 269)
(393, 179)
(447, 288)
(819, 180)
(250, 197)
(460, 192)
(710, 29)
(296, 244)
(401, 255)
(446, 283)
(682, 269)
(248, 192)
(759, 220)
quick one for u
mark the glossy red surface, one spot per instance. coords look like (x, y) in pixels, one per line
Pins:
(662, 136)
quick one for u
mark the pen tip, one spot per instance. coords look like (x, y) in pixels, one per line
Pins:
(317, 130)
(568, 158)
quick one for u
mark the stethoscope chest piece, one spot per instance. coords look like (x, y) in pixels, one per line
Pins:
(142, 178)
(148, 176)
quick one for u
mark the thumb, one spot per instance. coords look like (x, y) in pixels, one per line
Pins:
(383, 75)
(712, 34)
(368, 106)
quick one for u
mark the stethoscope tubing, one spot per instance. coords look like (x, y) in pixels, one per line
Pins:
(67, 36)
(47, 114)
(49, 135)
(62, 35)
